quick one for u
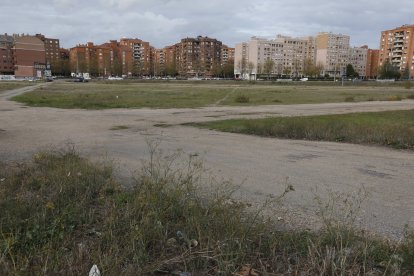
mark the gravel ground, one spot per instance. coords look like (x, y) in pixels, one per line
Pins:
(262, 166)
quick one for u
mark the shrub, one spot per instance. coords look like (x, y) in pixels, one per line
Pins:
(242, 99)
(408, 85)
(61, 214)
(394, 98)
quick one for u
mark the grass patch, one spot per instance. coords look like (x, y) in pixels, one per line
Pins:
(10, 85)
(103, 95)
(393, 129)
(411, 97)
(394, 98)
(62, 214)
(120, 127)
(408, 84)
(242, 99)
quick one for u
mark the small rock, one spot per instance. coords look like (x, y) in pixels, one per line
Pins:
(94, 271)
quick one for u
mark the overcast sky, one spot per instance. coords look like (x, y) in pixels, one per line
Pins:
(165, 22)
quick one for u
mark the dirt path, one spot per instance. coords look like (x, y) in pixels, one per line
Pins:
(260, 164)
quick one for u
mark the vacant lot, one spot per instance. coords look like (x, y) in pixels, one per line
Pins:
(62, 212)
(198, 94)
(395, 128)
(9, 85)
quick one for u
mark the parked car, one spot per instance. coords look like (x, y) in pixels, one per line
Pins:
(80, 79)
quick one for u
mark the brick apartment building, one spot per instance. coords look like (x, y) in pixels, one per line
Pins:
(29, 57)
(372, 63)
(6, 55)
(165, 61)
(227, 54)
(196, 57)
(143, 55)
(52, 47)
(397, 46)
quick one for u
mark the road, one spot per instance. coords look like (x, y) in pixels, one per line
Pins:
(262, 166)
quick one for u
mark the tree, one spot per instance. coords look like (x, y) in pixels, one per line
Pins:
(388, 71)
(217, 70)
(228, 69)
(310, 69)
(250, 68)
(242, 67)
(350, 72)
(287, 70)
(406, 74)
(268, 67)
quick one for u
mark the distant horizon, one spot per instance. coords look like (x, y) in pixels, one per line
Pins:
(166, 22)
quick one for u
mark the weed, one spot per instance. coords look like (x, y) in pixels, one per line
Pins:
(410, 97)
(408, 84)
(393, 128)
(394, 98)
(242, 99)
(61, 214)
(350, 99)
(120, 127)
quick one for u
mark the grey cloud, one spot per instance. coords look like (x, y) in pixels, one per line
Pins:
(164, 22)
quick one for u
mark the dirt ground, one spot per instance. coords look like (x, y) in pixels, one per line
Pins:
(262, 166)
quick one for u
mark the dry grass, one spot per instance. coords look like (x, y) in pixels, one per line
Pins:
(61, 214)
(96, 95)
(393, 128)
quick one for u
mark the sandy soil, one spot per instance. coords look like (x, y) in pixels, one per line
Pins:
(260, 165)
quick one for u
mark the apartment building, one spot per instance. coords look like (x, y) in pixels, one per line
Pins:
(358, 58)
(165, 61)
(397, 46)
(227, 54)
(332, 53)
(143, 55)
(196, 57)
(29, 57)
(6, 55)
(372, 63)
(288, 55)
(52, 49)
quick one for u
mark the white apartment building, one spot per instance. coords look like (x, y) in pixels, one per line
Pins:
(358, 58)
(288, 54)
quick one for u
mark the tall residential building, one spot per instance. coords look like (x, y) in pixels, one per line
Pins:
(397, 46)
(29, 57)
(358, 57)
(332, 52)
(288, 55)
(227, 54)
(52, 47)
(198, 56)
(142, 55)
(372, 63)
(165, 61)
(6, 55)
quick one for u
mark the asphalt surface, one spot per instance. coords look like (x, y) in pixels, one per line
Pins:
(262, 166)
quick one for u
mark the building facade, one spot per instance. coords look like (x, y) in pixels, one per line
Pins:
(358, 58)
(6, 55)
(397, 46)
(52, 49)
(29, 57)
(197, 57)
(287, 56)
(143, 56)
(332, 53)
(372, 63)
